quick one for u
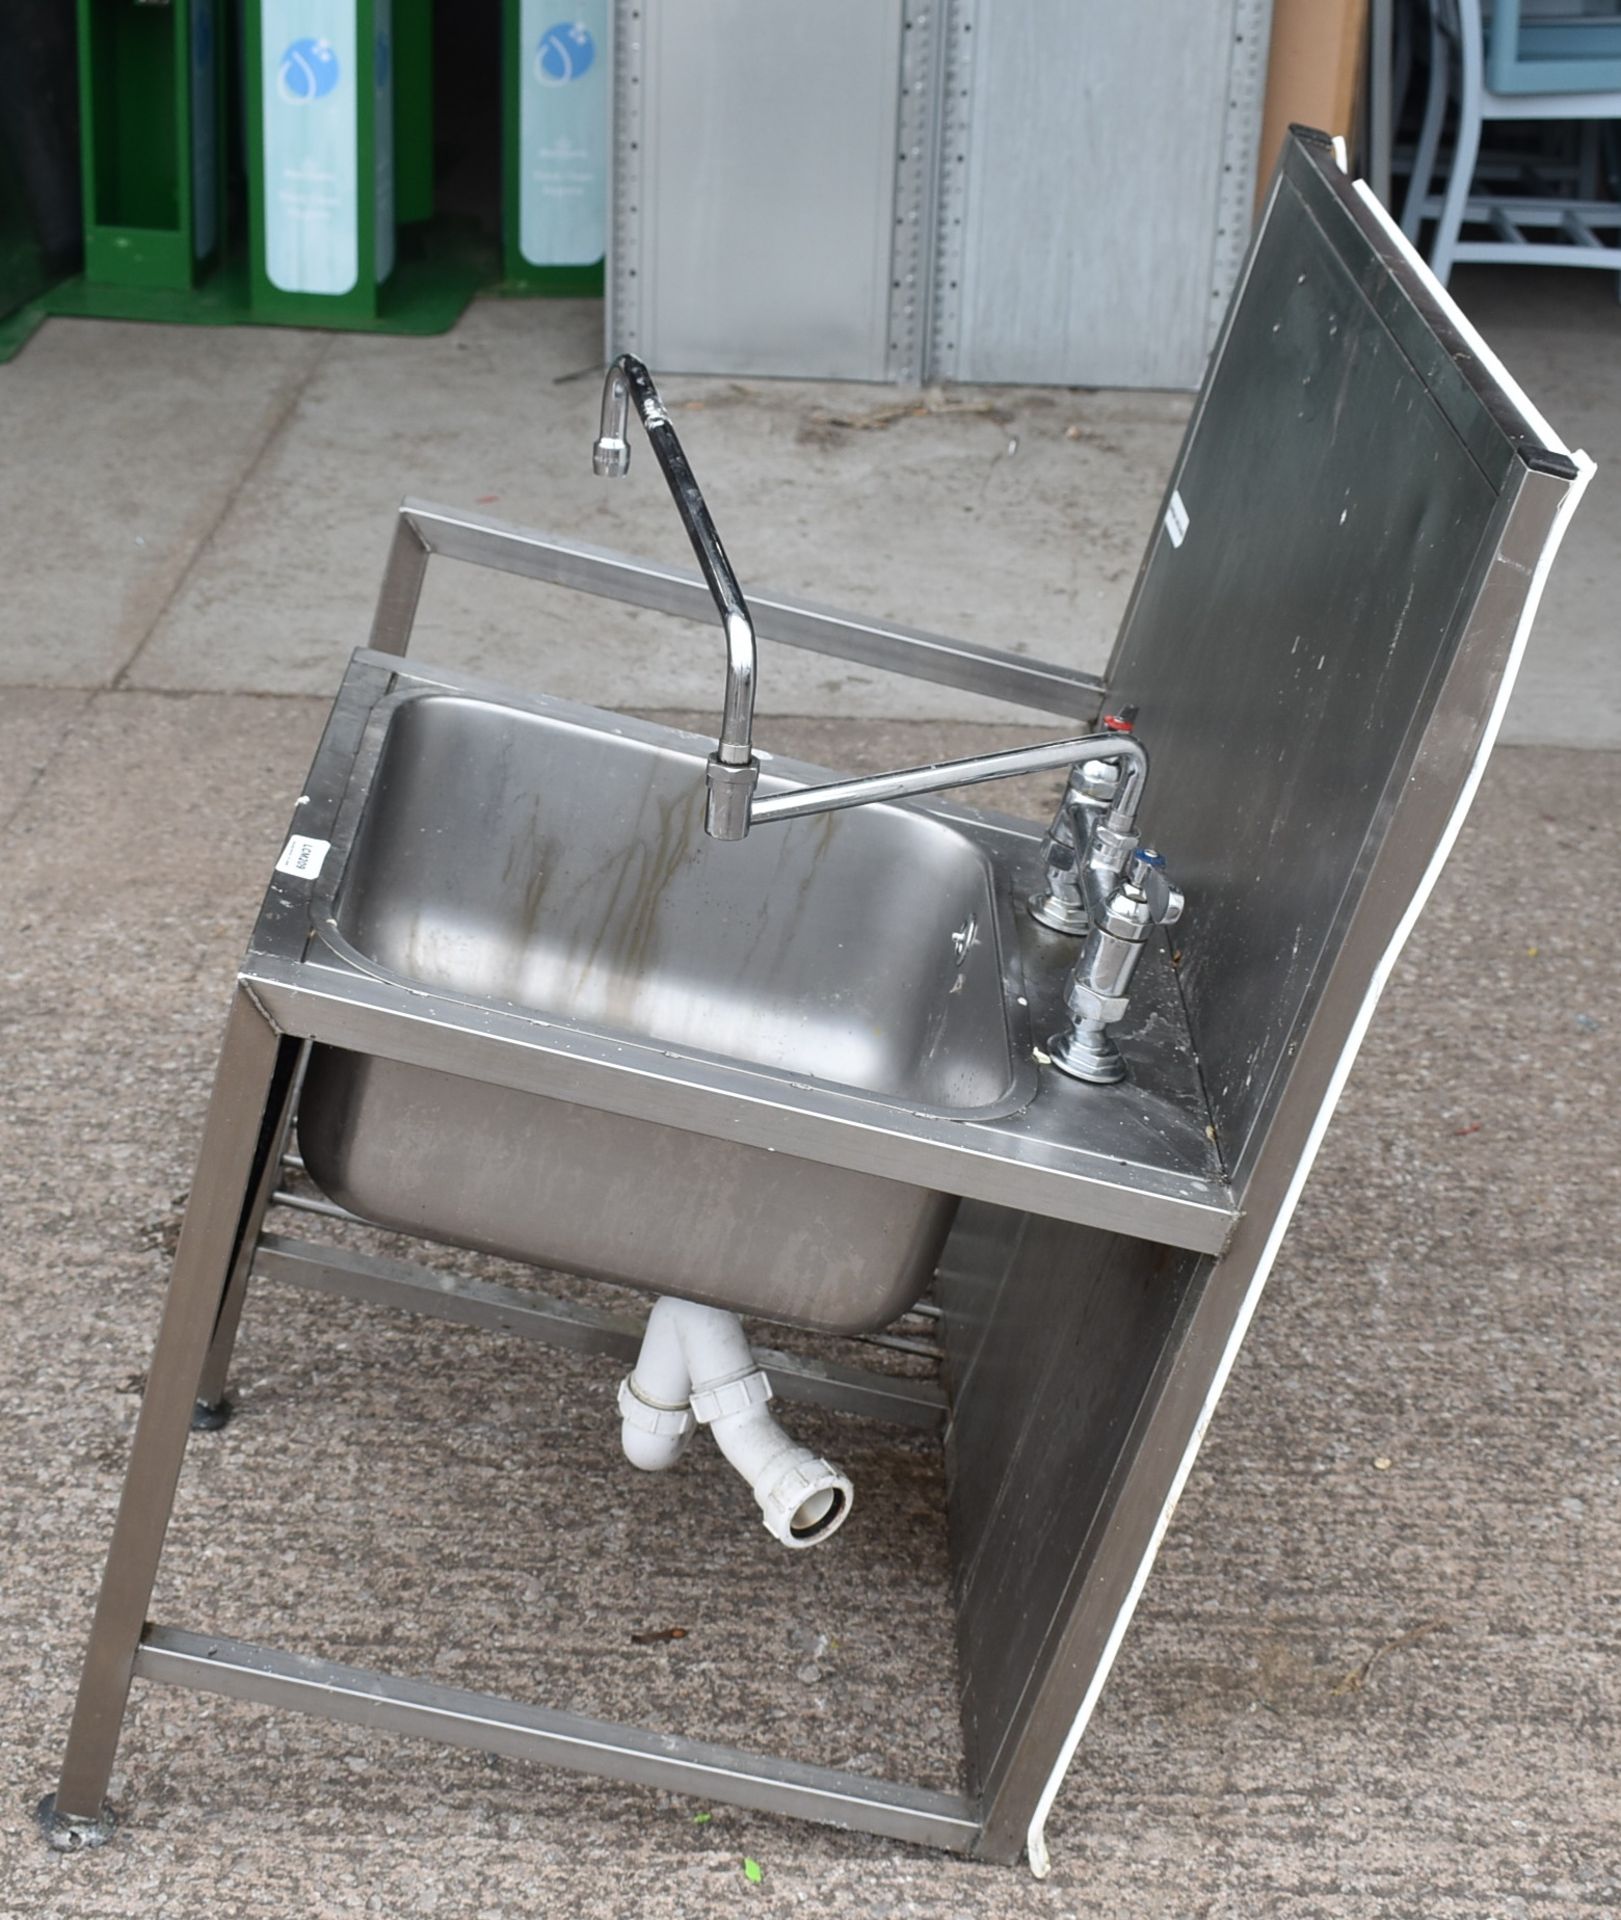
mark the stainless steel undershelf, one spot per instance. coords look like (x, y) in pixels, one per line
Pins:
(239, 1671)
(581, 1329)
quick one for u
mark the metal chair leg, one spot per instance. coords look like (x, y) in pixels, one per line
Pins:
(1444, 245)
(1429, 138)
(246, 1116)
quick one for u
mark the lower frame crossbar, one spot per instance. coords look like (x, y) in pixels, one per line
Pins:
(581, 1329)
(240, 1671)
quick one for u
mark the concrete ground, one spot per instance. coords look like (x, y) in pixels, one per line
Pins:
(1375, 1672)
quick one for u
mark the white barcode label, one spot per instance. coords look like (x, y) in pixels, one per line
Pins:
(303, 857)
(1176, 519)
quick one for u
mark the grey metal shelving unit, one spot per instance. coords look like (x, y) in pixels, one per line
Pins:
(1053, 192)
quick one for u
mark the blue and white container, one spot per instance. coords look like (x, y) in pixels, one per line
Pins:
(323, 188)
(562, 132)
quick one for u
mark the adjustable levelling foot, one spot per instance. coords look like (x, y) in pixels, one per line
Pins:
(208, 1416)
(72, 1832)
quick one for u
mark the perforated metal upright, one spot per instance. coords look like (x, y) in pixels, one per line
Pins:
(933, 189)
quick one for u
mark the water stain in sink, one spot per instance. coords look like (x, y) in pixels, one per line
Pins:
(616, 920)
(586, 892)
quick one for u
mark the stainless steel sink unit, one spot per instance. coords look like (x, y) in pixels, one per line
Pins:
(859, 949)
(616, 976)
(481, 1010)
(573, 884)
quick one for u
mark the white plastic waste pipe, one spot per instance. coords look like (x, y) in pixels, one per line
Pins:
(696, 1368)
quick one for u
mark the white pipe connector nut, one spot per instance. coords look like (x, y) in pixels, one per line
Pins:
(653, 1437)
(696, 1368)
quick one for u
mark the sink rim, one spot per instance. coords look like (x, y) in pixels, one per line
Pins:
(1140, 1158)
(975, 830)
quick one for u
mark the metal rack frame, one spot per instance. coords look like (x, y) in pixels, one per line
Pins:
(275, 1015)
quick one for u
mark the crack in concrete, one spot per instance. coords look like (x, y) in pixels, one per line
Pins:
(42, 772)
(120, 682)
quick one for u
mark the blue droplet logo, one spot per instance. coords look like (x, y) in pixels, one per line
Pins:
(383, 60)
(308, 72)
(566, 51)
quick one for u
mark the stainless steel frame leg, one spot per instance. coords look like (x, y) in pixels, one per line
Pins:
(245, 1115)
(212, 1409)
(402, 588)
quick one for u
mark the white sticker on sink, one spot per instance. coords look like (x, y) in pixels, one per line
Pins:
(1176, 519)
(303, 857)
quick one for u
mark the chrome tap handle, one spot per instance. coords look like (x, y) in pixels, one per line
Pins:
(1066, 850)
(1147, 873)
(1124, 904)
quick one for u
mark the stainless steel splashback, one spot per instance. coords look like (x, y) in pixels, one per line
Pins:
(1352, 496)
(1320, 641)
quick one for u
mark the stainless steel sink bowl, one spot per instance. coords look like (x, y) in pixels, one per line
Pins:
(533, 862)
